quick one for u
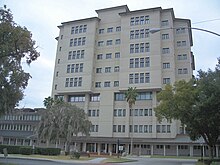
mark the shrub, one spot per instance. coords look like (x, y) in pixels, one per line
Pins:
(47, 151)
(74, 155)
(25, 150)
(10, 149)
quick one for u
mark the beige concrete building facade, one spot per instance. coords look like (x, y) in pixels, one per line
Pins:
(98, 58)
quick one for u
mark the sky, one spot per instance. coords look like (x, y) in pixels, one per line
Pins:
(42, 17)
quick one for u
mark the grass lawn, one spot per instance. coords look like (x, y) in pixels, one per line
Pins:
(117, 160)
(58, 157)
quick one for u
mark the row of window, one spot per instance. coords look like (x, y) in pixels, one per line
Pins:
(109, 30)
(73, 82)
(140, 128)
(94, 128)
(163, 128)
(109, 42)
(119, 112)
(93, 113)
(106, 84)
(136, 34)
(79, 54)
(107, 69)
(141, 20)
(140, 96)
(141, 112)
(78, 41)
(140, 48)
(79, 29)
(108, 56)
(22, 117)
(136, 78)
(74, 68)
(17, 127)
(139, 62)
(118, 128)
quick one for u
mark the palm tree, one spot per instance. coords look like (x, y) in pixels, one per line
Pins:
(131, 95)
(48, 102)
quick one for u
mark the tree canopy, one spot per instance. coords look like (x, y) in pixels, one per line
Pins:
(63, 121)
(196, 104)
(16, 44)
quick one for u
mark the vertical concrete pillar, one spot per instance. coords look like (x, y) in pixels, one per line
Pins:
(84, 147)
(110, 149)
(9, 141)
(177, 150)
(106, 146)
(152, 150)
(191, 150)
(99, 148)
(217, 150)
(164, 150)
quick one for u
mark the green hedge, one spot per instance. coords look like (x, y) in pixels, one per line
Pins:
(27, 150)
(47, 151)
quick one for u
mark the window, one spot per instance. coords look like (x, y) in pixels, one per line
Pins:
(98, 70)
(94, 97)
(158, 128)
(180, 30)
(116, 83)
(144, 96)
(147, 77)
(165, 50)
(114, 128)
(109, 42)
(136, 20)
(147, 47)
(140, 128)
(165, 36)
(141, 20)
(147, 61)
(72, 30)
(76, 98)
(142, 48)
(147, 20)
(117, 41)
(83, 40)
(116, 69)
(142, 33)
(84, 28)
(146, 33)
(141, 77)
(107, 84)
(100, 43)
(166, 80)
(71, 42)
(131, 78)
(132, 34)
(183, 71)
(136, 34)
(110, 30)
(182, 57)
(181, 43)
(166, 65)
(99, 56)
(68, 69)
(101, 31)
(79, 41)
(107, 69)
(164, 23)
(168, 129)
(136, 48)
(119, 96)
(118, 28)
(136, 64)
(108, 56)
(132, 21)
(117, 55)
(98, 84)
(131, 48)
(132, 63)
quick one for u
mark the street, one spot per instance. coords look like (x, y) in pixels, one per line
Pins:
(140, 161)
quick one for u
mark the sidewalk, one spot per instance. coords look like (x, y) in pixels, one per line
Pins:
(95, 160)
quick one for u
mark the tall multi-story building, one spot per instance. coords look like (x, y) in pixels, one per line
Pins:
(98, 58)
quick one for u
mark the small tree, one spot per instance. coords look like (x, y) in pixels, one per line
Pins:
(131, 95)
(16, 44)
(63, 120)
(196, 104)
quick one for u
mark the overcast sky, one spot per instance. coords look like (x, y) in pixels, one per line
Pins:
(42, 17)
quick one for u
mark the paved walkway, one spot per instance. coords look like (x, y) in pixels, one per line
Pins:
(95, 160)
